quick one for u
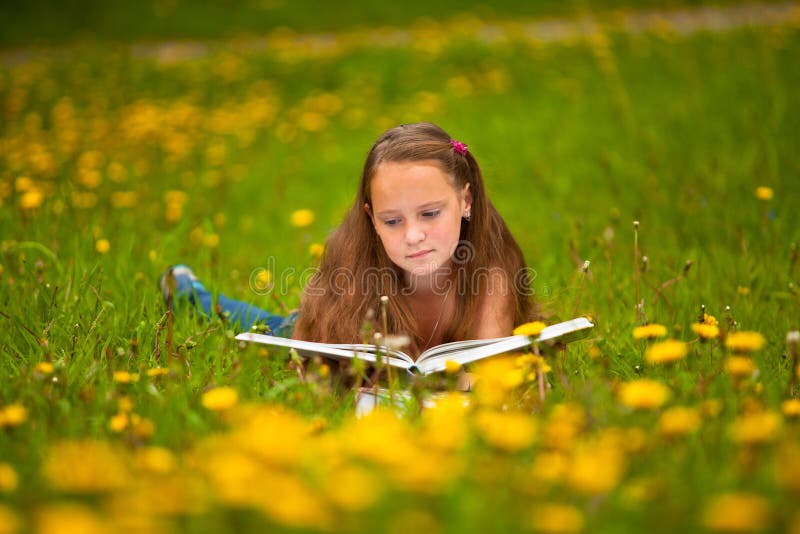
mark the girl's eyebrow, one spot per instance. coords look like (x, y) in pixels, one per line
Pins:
(421, 207)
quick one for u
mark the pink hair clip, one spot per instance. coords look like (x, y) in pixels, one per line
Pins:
(459, 147)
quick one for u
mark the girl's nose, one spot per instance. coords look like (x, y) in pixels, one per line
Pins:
(414, 234)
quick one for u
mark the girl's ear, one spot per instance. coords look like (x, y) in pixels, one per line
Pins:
(467, 196)
(368, 212)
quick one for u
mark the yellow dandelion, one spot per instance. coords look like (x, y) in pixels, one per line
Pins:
(709, 319)
(764, 193)
(44, 368)
(220, 398)
(557, 518)
(649, 331)
(742, 290)
(529, 329)
(124, 377)
(744, 341)
(509, 431)
(678, 421)
(118, 422)
(102, 246)
(157, 371)
(9, 480)
(643, 394)
(737, 512)
(756, 428)
(13, 415)
(451, 367)
(667, 351)
(791, 407)
(316, 250)
(31, 199)
(301, 218)
(739, 366)
(705, 331)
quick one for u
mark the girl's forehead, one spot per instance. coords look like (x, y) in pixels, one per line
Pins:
(414, 182)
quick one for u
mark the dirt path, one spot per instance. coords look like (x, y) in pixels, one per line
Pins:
(547, 30)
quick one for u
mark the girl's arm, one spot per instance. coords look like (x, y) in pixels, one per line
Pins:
(495, 316)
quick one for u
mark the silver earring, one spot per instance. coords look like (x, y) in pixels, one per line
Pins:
(467, 215)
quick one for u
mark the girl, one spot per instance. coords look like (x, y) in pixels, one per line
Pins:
(422, 233)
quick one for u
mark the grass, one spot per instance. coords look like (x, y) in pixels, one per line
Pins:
(203, 161)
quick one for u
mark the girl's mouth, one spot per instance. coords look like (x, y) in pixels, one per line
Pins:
(419, 254)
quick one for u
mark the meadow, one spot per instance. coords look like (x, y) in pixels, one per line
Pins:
(681, 413)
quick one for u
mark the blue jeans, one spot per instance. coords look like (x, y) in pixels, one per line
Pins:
(240, 313)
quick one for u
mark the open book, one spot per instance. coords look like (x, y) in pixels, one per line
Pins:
(433, 359)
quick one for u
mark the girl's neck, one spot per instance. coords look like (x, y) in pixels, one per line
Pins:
(437, 283)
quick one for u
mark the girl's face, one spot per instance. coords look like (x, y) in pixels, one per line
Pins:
(417, 214)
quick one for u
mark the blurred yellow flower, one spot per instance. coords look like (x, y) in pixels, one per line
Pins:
(529, 329)
(667, 351)
(555, 518)
(742, 290)
(744, 341)
(124, 199)
(705, 331)
(84, 466)
(10, 523)
(509, 431)
(709, 319)
(13, 415)
(156, 460)
(301, 218)
(764, 193)
(157, 371)
(791, 407)
(9, 480)
(102, 246)
(649, 331)
(678, 421)
(316, 250)
(124, 377)
(756, 428)
(70, 518)
(31, 199)
(737, 512)
(596, 468)
(118, 422)
(451, 367)
(211, 240)
(643, 394)
(739, 366)
(45, 368)
(220, 398)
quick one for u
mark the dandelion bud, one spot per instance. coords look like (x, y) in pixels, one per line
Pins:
(792, 338)
(586, 266)
(635, 225)
(688, 266)
(384, 299)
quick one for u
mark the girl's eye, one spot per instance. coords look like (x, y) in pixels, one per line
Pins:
(431, 214)
(391, 222)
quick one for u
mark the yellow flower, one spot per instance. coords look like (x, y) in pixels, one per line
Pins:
(756, 428)
(316, 250)
(739, 366)
(596, 468)
(709, 319)
(45, 368)
(529, 329)
(509, 431)
(557, 518)
(9, 480)
(451, 367)
(649, 331)
(124, 377)
(643, 394)
(118, 422)
(742, 290)
(211, 240)
(764, 193)
(13, 415)
(302, 218)
(68, 519)
(157, 371)
(737, 512)
(744, 341)
(102, 246)
(705, 331)
(667, 351)
(220, 398)
(791, 407)
(156, 460)
(31, 199)
(678, 421)
(10, 523)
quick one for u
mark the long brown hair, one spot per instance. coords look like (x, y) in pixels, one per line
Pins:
(355, 269)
